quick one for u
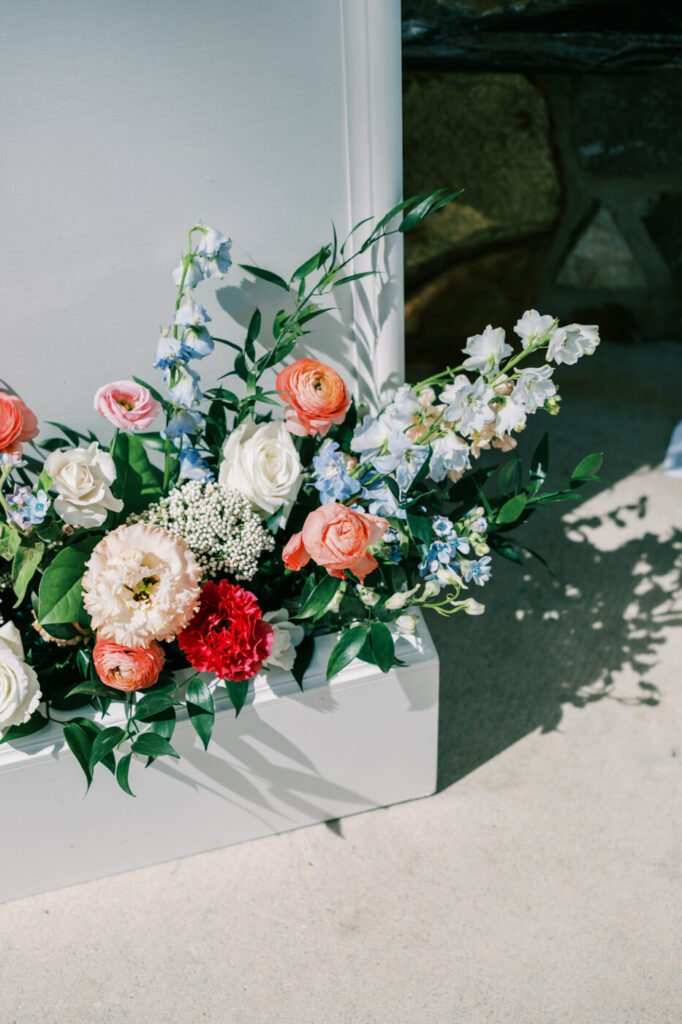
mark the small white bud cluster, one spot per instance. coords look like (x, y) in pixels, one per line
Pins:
(217, 524)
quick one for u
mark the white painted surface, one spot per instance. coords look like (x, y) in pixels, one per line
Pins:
(122, 123)
(291, 759)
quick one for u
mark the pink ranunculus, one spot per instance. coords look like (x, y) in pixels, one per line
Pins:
(127, 668)
(129, 406)
(336, 538)
(316, 395)
(17, 423)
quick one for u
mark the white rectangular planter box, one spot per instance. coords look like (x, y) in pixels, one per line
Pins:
(290, 759)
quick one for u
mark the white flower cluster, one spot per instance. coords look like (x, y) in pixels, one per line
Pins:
(218, 525)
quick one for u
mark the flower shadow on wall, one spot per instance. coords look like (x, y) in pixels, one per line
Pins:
(594, 631)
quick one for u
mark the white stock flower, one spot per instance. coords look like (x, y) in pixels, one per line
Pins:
(407, 623)
(286, 636)
(19, 689)
(262, 463)
(368, 596)
(141, 584)
(449, 454)
(569, 343)
(468, 404)
(400, 598)
(531, 327)
(82, 479)
(486, 351)
(510, 416)
(534, 387)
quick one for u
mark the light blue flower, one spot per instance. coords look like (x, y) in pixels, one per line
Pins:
(441, 526)
(25, 508)
(191, 314)
(213, 251)
(382, 501)
(193, 466)
(478, 571)
(198, 342)
(183, 422)
(369, 438)
(332, 479)
(404, 459)
(195, 274)
(186, 391)
(170, 351)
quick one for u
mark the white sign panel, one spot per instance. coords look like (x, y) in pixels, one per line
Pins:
(123, 123)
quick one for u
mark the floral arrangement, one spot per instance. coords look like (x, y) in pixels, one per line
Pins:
(222, 529)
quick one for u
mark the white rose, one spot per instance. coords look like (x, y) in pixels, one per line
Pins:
(19, 690)
(82, 478)
(263, 464)
(286, 636)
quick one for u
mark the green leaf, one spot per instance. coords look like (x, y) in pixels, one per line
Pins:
(312, 264)
(153, 392)
(10, 539)
(240, 367)
(383, 647)
(60, 594)
(26, 561)
(432, 202)
(587, 468)
(80, 741)
(353, 277)
(138, 480)
(16, 732)
(304, 655)
(152, 745)
(347, 647)
(163, 723)
(122, 771)
(93, 688)
(251, 335)
(512, 509)
(539, 463)
(104, 743)
(237, 692)
(153, 439)
(320, 598)
(74, 436)
(201, 709)
(265, 275)
(507, 476)
(153, 704)
(420, 528)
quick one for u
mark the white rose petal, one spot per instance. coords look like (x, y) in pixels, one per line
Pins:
(19, 689)
(82, 479)
(262, 463)
(286, 636)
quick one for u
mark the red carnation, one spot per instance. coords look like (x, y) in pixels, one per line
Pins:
(227, 635)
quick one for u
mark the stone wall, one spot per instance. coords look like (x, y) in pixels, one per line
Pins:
(572, 202)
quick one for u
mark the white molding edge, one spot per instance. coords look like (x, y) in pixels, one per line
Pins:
(371, 55)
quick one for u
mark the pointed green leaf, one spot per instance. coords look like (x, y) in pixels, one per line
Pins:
(153, 745)
(347, 648)
(383, 647)
(237, 692)
(304, 654)
(105, 742)
(79, 740)
(512, 509)
(153, 704)
(60, 594)
(320, 598)
(420, 528)
(507, 476)
(122, 772)
(16, 732)
(139, 482)
(26, 561)
(265, 275)
(201, 709)
(588, 468)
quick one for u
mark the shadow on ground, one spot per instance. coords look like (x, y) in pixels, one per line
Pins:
(591, 632)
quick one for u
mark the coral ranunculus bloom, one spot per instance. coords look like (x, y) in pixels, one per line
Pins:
(316, 395)
(17, 423)
(336, 538)
(228, 635)
(127, 668)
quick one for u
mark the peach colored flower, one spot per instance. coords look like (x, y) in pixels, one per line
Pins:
(336, 538)
(17, 423)
(127, 668)
(129, 406)
(317, 396)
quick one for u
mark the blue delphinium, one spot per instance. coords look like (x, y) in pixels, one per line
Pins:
(26, 508)
(382, 501)
(478, 571)
(403, 459)
(331, 476)
(391, 538)
(193, 466)
(445, 551)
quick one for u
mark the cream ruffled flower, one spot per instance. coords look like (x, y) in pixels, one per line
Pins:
(142, 584)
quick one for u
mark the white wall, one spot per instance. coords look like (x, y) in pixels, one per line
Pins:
(122, 122)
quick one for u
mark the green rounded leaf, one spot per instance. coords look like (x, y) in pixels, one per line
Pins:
(60, 593)
(347, 648)
(512, 509)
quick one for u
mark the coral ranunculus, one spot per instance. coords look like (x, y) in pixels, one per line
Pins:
(17, 423)
(228, 635)
(127, 668)
(316, 395)
(126, 404)
(336, 538)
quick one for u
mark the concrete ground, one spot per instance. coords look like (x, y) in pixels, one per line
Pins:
(541, 884)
